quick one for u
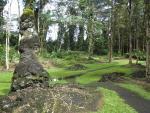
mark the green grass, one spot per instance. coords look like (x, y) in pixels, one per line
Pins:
(135, 88)
(4, 88)
(113, 103)
(5, 79)
(5, 76)
(99, 70)
(97, 75)
(62, 72)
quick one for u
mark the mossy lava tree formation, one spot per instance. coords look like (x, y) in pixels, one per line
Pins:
(29, 72)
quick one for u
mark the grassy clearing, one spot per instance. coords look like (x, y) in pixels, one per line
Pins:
(113, 103)
(135, 88)
(97, 70)
(97, 75)
(100, 68)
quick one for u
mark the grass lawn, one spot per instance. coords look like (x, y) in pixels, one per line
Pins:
(113, 103)
(62, 72)
(116, 66)
(136, 88)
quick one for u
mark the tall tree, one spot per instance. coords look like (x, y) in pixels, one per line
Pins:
(147, 24)
(8, 34)
(130, 31)
(90, 27)
(111, 31)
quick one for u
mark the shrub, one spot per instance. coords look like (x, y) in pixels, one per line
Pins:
(140, 55)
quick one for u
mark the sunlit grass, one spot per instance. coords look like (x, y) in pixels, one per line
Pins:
(62, 72)
(5, 76)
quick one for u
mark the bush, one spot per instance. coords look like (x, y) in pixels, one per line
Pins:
(141, 55)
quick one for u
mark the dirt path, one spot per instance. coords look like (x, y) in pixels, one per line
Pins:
(138, 103)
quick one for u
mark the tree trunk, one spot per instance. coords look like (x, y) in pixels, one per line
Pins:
(130, 33)
(90, 28)
(8, 22)
(111, 35)
(119, 42)
(19, 22)
(130, 49)
(110, 49)
(80, 38)
(148, 60)
(143, 45)
(7, 51)
(7, 45)
(137, 44)
(147, 14)
(90, 38)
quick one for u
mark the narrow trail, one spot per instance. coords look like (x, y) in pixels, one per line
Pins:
(138, 103)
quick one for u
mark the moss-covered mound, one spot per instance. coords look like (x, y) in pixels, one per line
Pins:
(139, 74)
(114, 77)
(59, 99)
(77, 67)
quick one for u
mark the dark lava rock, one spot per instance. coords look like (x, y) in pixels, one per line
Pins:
(114, 77)
(60, 99)
(29, 72)
(77, 67)
(26, 22)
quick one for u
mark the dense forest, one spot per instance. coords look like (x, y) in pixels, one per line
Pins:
(81, 41)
